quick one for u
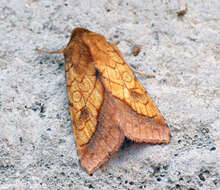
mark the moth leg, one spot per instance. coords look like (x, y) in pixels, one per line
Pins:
(141, 73)
(50, 52)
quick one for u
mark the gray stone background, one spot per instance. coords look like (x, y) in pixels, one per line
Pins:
(37, 149)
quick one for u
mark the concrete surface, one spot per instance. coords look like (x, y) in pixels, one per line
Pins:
(37, 149)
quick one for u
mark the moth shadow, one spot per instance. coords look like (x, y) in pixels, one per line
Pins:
(129, 150)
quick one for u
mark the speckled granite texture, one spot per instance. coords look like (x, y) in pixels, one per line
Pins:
(37, 149)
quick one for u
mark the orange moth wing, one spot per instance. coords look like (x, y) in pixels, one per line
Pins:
(106, 101)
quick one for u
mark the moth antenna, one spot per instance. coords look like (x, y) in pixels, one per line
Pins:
(45, 51)
(142, 73)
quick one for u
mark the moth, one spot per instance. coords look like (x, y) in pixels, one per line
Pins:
(106, 101)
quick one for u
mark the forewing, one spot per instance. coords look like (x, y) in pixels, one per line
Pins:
(119, 80)
(85, 93)
(96, 134)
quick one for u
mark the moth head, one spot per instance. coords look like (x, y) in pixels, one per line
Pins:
(78, 32)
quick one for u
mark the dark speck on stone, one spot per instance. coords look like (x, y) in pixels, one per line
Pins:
(177, 186)
(165, 167)
(212, 149)
(91, 186)
(42, 116)
(42, 108)
(60, 65)
(215, 181)
(201, 177)
(157, 169)
(47, 166)
(62, 173)
(131, 183)
(158, 179)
